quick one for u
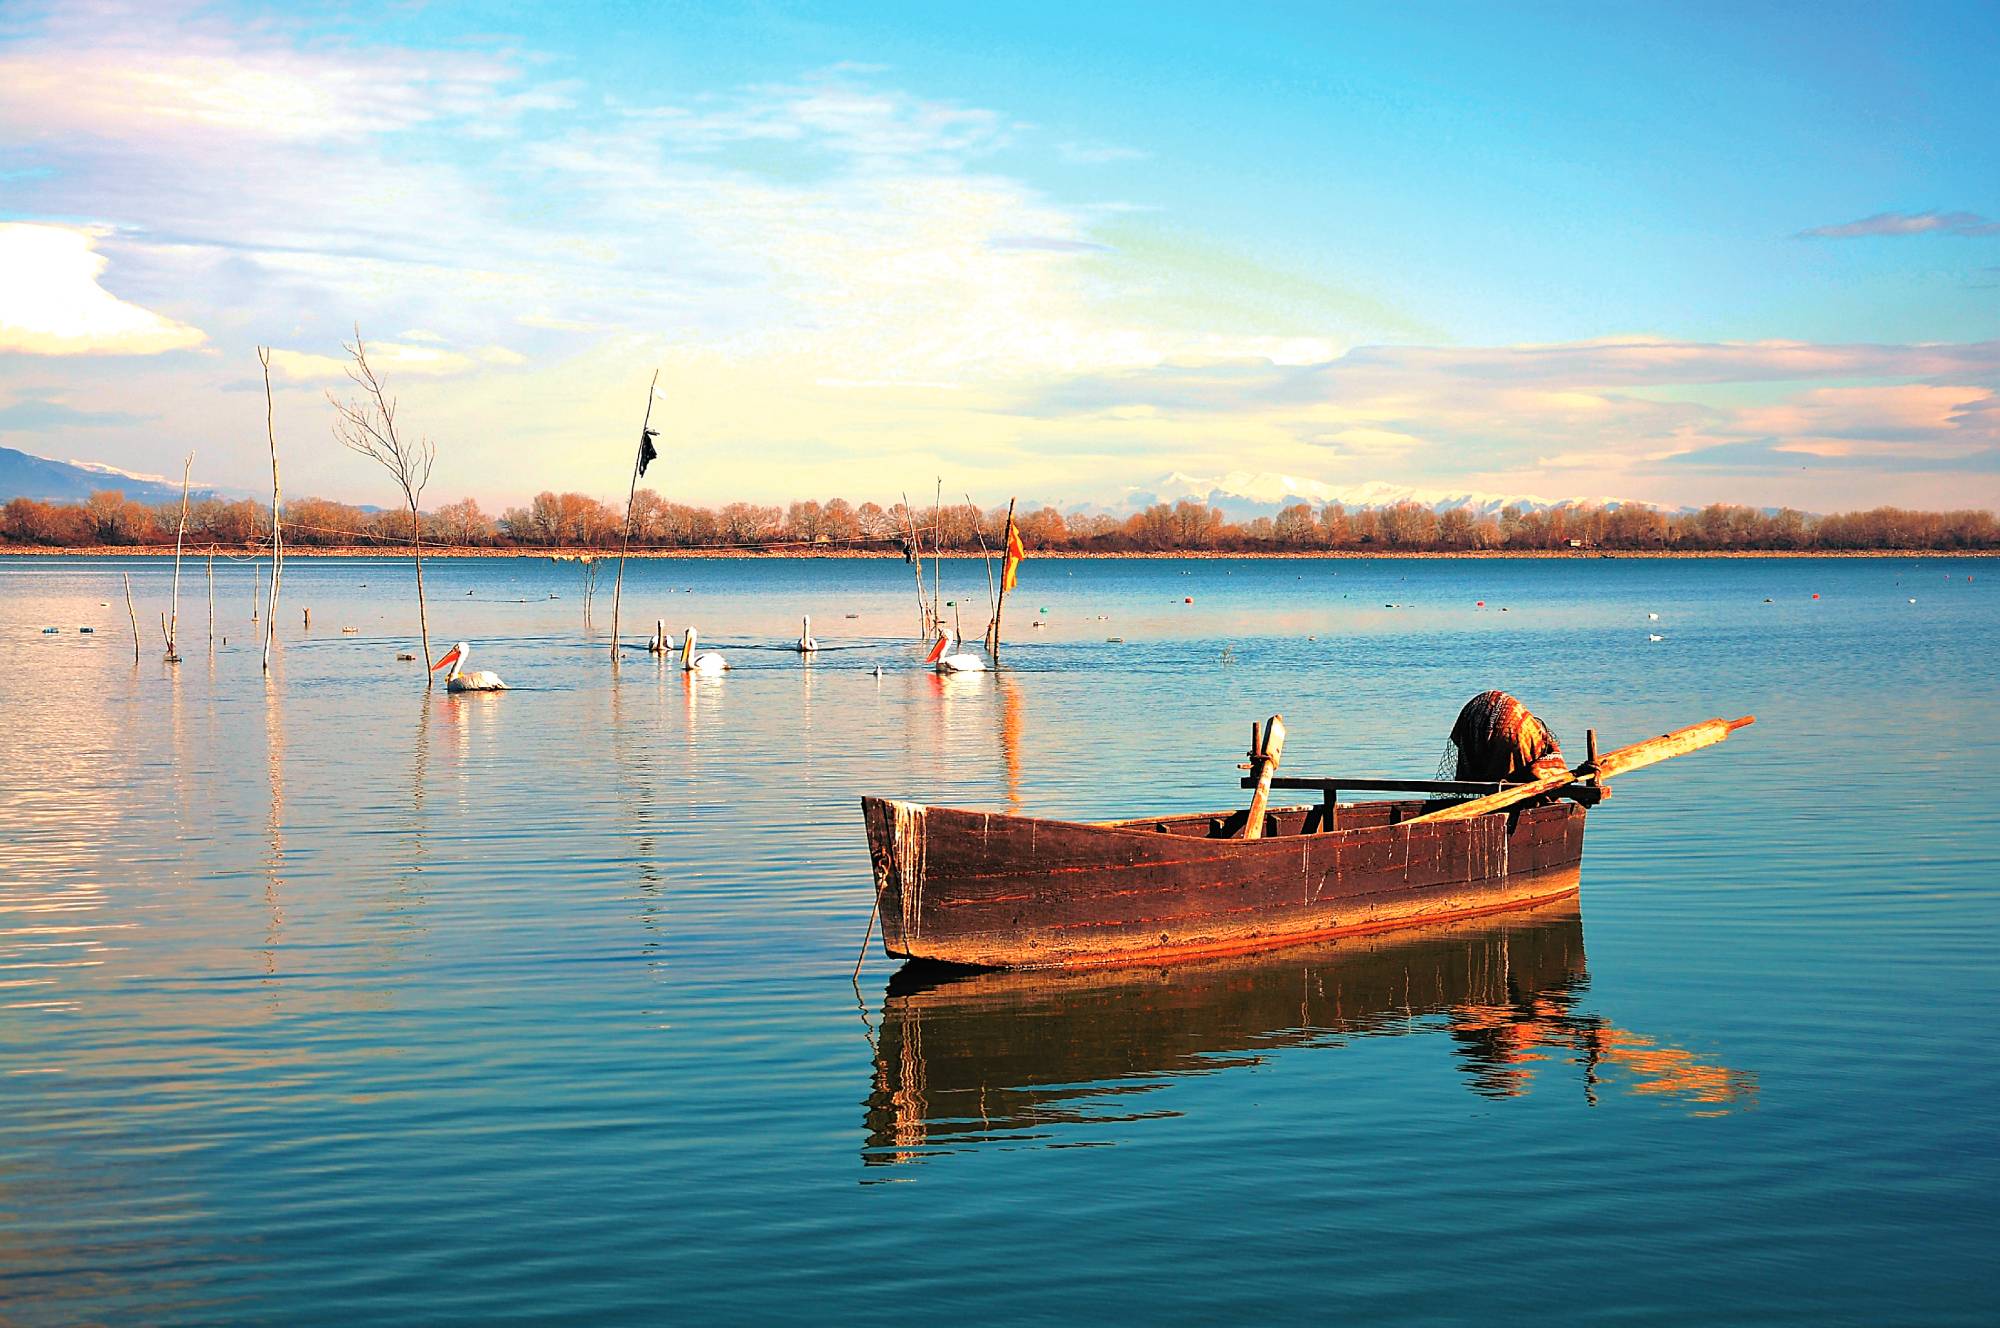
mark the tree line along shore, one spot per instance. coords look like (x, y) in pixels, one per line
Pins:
(575, 523)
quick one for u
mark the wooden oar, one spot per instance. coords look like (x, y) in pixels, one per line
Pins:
(1623, 761)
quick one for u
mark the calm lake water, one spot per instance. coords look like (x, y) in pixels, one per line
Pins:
(327, 999)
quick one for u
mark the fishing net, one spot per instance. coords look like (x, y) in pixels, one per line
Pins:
(1498, 738)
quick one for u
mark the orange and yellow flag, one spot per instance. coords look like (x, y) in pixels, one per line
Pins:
(1015, 555)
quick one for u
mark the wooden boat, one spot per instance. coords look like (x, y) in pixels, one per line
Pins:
(991, 890)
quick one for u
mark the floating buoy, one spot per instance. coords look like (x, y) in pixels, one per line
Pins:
(1480, 605)
(1815, 595)
(1188, 600)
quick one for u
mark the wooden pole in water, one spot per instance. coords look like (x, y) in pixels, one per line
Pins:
(925, 625)
(277, 526)
(211, 592)
(993, 642)
(133, 614)
(937, 551)
(986, 556)
(618, 589)
(180, 534)
(1264, 765)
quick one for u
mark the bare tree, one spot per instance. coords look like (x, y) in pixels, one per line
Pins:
(368, 425)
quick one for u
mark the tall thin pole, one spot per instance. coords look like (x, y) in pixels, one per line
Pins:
(211, 593)
(423, 614)
(277, 498)
(926, 620)
(180, 534)
(986, 555)
(625, 545)
(993, 637)
(133, 614)
(937, 549)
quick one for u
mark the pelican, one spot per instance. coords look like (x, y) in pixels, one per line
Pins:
(806, 643)
(706, 662)
(963, 662)
(460, 681)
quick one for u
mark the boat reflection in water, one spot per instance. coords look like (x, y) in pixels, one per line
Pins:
(964, 1059)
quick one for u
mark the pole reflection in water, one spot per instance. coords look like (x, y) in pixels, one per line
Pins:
(1036, 1057)
(274, 822)
(1010, 737)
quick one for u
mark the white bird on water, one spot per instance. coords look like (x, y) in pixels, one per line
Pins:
(962, 662)
(806, 643)
(460, 681)
(707, 662)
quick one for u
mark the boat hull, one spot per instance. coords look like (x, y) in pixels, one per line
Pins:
(988, 890)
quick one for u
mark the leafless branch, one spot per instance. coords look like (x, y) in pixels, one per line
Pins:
(367, 425)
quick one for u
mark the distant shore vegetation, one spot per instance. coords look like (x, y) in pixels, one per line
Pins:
(573, 521)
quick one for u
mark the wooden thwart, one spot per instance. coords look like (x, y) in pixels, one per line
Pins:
(1623, 761)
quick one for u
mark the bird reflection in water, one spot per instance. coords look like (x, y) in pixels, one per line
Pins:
(964, 1059)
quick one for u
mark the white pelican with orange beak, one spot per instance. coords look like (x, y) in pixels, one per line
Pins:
(460, 681)
(706, 662)
(962, 662)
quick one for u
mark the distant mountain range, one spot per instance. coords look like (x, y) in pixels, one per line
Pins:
(1241, 495)
(1244, 495)
(25, 475)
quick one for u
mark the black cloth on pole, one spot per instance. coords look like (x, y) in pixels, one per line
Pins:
(647, 452)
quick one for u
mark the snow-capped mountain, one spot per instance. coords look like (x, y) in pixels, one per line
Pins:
(1243, 494)
(25, 475)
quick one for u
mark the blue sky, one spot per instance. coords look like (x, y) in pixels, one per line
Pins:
(1679, 254)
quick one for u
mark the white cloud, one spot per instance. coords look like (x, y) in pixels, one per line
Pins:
(51, 302)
